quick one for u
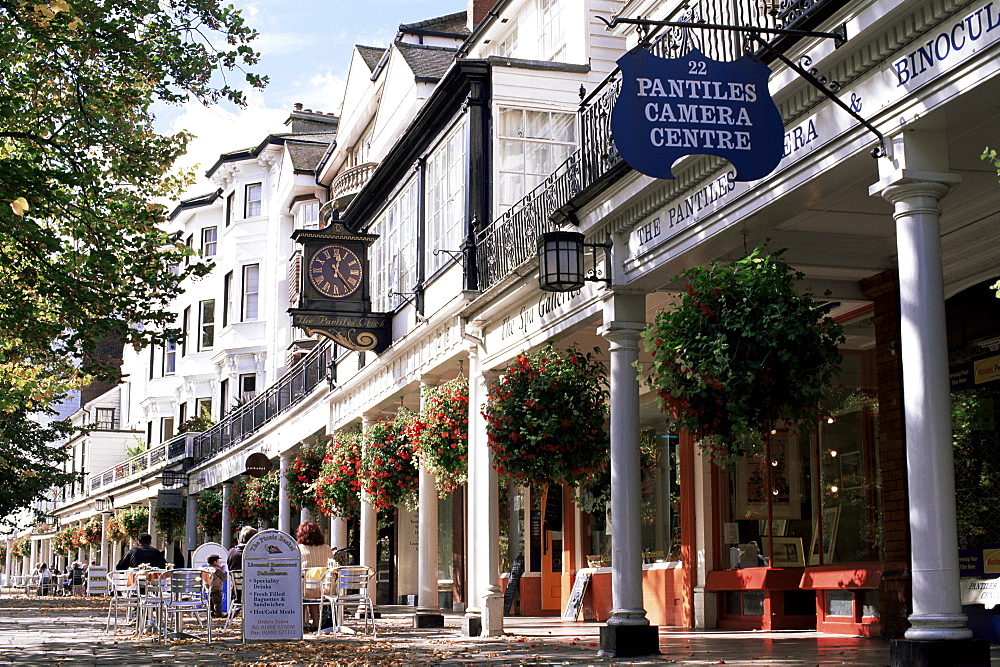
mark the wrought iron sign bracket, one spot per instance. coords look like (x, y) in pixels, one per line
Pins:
(592, 274)
(828, 88)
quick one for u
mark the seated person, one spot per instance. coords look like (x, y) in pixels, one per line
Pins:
(142, 554)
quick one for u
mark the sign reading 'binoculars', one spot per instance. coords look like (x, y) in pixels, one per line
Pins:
(672, 107)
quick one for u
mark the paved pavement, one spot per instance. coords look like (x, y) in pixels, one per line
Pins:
(71, 631)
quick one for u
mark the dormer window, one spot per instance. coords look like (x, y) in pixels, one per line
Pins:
(307, 216)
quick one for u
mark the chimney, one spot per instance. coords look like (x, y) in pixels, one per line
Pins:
(477, 10)
(298, 106)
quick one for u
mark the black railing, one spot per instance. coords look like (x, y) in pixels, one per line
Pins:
(511, 239)
(243, 421)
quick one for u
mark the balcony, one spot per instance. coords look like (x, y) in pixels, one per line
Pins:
(349, 183)
(243, 421)
(511, 239)
(151, 460)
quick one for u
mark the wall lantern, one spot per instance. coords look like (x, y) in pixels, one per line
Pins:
(105, 504)
(560, 261)
(172, 478)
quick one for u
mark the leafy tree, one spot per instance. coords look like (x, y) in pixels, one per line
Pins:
(83, 256)
(31, 466)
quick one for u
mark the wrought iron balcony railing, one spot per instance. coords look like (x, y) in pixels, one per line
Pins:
(150, 460)
(266, 405)
(511, 239)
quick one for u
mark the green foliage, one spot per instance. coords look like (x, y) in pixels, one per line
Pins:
(171, 522)
(977, 466)
(29, 463)
(83, 258)
(742, 351)
(545, 419)
(440, 433)
(128, 524)
(196, 424)
(21, 548)
(388, 465)
(338, 485)
(208, 512)
(302, 473)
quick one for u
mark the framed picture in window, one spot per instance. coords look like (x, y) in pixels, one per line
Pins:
(831, 523)
(780, 526)
(787, 551)
(786, 481)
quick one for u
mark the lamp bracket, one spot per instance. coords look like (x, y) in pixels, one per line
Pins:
(456, 255)
(592, 275)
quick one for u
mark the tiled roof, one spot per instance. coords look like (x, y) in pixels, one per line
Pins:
(427, 61)
(453, 23)
(370, 54)
(306, 156)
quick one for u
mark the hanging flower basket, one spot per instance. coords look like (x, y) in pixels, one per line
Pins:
(388, 464)
(134, 521)
(116, 529)
(62, 542)
(21, 548)
(262, 497)
(338, 484)
(302, 473)
(742, 351)
(545, 419)
(208, 512)
(90, 533)
(3, 552)
(440, 433)
(170, 522)
(239, 508)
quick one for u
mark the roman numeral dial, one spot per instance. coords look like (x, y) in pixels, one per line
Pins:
(335, 271)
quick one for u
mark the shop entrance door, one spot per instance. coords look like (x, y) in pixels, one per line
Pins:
(552, 551)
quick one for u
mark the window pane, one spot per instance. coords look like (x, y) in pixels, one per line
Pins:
(253, 200)
(251, 276)
(207, 324)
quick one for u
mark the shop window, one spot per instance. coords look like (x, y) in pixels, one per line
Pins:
(753, 603)
(840, 603)
(869, 603)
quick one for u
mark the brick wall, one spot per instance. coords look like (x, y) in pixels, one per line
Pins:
(477, 10)
(894, 592)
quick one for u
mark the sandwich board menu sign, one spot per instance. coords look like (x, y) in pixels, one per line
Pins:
(97, 580)
(272, 588)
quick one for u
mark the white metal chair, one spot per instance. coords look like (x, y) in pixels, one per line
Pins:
(153, 588)
(187, 594)
(350, 585)
(124, 595)
(235, 596)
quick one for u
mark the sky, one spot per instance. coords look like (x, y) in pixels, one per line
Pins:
(306, 48)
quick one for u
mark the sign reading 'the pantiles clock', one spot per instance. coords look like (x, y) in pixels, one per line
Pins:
(334, 298)
(694, 105)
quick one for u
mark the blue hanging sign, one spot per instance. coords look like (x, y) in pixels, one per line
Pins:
(672, 107)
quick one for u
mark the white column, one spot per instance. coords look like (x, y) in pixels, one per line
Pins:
(284, 503)
(104, 561)
(369, 516)
(623, 322)
(190, 526)
(227, 522)
(475, 486)
(338, 532)
(151, 524)
(8, 561)
(34, 554)
(485, 598)
(914, 189)
(427, 527)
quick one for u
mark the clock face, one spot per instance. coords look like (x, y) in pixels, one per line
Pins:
(335, 271)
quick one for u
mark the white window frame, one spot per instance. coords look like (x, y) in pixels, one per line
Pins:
(518, 151)
(206, 325)
(209, 241)
(394, 254)
(445, 200)
(552, 29)
(307, 215)
(250, 301)
(253, 206)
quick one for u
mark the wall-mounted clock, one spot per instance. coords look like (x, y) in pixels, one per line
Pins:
(335, 271)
